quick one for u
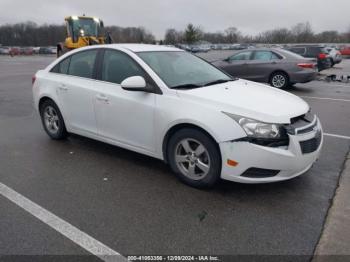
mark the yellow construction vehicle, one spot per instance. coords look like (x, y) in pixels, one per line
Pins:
(83, 31)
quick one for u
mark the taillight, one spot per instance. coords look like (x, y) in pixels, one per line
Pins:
(322, 56)
(306, 65)
(33, 79)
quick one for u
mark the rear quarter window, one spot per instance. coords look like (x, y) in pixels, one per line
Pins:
(62, 67)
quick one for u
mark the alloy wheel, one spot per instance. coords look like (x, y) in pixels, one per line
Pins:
(51, 120)
(192, 159)
(278, 81)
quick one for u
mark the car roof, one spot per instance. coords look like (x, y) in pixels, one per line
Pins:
(321, 46)
(135, 48)
(262, 49)
(141, 47)
(281, 51)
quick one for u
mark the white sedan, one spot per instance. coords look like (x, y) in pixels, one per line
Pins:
(169, 104)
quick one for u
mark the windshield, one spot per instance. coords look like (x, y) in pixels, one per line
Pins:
(181, 69)
(89, 26)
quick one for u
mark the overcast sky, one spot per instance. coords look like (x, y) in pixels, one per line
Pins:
(249, 16)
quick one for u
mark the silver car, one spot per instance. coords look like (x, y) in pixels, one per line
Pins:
(4, 50)
(279, 67)
(335, 54)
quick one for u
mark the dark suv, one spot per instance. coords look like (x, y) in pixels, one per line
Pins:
(313, 51)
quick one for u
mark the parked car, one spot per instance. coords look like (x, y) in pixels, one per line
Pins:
(4, 50)
(345, 51)
(47, 51)
(53, 50)
(36, 50)
(172, 105)
(314, 51)
(335, 54)
(199, 48)
(195, 49)
(205, 48)
(278, 67)
(15, 51)
(26, 51)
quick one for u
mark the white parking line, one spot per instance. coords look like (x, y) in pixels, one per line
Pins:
(326, 98)
(337, 85)
(88, 243)
(337, 136)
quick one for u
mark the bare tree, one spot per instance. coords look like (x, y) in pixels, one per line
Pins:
(173, 36)
(281, 35)
(303, 33)
(328, 37)
(232, 35)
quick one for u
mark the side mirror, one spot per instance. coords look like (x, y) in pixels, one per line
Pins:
(134, 83)
(226, 59)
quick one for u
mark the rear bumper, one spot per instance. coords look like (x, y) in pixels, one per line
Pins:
(303, 76)
(290, 161)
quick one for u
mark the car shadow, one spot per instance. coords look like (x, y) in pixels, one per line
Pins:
(150, 164)
(299, 89)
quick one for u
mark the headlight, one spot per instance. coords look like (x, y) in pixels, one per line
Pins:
(257, 129)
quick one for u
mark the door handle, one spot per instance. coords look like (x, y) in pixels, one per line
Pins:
(63, 87)
(102, 98)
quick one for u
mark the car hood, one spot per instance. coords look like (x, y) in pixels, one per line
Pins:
(249, 99)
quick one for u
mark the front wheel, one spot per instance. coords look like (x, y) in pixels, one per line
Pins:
(279, 80)
(195, 158)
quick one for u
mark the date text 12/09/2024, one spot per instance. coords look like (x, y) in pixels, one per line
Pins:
(173, 258)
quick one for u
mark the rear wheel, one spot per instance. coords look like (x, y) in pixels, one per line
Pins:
(195, 158)
(52, 120)
(279, 80)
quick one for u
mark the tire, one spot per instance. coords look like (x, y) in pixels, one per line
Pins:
(195, 158)
(332, 62)
(52, 120)
(279, 80)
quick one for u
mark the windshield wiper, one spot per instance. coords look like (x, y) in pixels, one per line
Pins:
(191, 86)
(219, 81)
(186, 86)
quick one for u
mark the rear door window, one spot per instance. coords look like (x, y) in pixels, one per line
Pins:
(82, 64)
(241, 56)
(265, 56)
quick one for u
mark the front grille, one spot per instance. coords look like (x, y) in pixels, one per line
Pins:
(284, 141)
(302, 124)
(307, 129)
(254, 172)
(311, 145)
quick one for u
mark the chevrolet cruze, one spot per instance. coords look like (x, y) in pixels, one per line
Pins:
(169, 104)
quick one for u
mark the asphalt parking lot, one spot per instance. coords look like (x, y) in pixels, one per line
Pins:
(133, 203)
